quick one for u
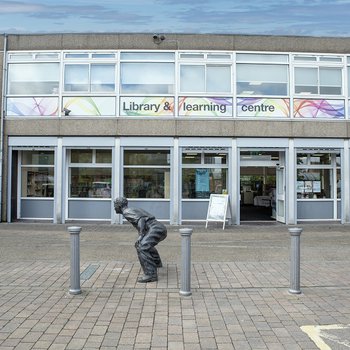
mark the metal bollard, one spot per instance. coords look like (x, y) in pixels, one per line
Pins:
(186, 261)
(74, 260)
(295, 233)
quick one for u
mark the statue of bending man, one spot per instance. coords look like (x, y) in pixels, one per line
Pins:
(150, 231)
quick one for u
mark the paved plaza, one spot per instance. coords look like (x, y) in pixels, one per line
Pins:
(240, 278)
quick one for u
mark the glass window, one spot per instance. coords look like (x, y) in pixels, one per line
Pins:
(191, 158)
(330, 81)
(90, 179)
(147, 78)
(76, 55)
(314, 183)
(103, 156)
(103, 55)
(250, 57)
(37, 174)
(215, 158)
(146, 183)
(147, 56)
(316, 173)
(102, 77)
(306, 81)
(76, 77)
(192, 78)
(203, 173)
(318, 80)
(90, 182)
(201, 182)
(218, 78)
(257, 79)
(89, 78)
(205, 78)
(33, 78)
(37, 158)
(81, 156)
(37, 182)
(140, 157)
(147, 173)
(314, 158)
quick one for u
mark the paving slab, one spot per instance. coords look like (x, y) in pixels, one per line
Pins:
(239, 284)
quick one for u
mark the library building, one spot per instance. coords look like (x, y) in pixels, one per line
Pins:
(167, 120)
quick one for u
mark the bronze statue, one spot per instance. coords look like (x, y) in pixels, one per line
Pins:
(150, 231)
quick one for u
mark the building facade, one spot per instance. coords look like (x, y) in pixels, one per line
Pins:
(167, 120)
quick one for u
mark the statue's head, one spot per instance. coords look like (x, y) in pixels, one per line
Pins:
(119, 204)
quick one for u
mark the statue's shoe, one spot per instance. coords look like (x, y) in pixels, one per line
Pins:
(147, 278)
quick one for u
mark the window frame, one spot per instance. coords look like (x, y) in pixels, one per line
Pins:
(203, 165)
(334, 169)
(90, 165)
(89, 90)
(22, 166)
(167, 193)
(319, 62)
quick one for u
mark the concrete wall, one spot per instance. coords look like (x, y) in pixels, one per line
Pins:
(177, 128)
(178, 41)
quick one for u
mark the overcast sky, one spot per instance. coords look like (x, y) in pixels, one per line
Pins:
(275, 17)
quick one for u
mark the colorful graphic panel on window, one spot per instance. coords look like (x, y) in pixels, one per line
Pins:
(32, 106)
(334, 109)
(89, 106)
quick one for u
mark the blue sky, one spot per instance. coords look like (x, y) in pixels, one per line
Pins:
(272, 17)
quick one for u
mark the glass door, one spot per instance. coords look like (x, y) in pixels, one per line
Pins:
(280, 194)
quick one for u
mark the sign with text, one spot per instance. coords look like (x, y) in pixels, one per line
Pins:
(205, 106)
(146, 106)
(263, 107)
(217, 208)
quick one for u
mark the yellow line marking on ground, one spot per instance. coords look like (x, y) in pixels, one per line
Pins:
(316, 333)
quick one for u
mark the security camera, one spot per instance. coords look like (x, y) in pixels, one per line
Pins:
(157, 38)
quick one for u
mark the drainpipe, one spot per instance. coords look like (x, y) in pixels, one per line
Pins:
(4, 77)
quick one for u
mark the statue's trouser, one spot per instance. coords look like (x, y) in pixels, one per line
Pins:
(147, 253)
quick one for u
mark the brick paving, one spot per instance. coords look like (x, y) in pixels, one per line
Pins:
(234, 304)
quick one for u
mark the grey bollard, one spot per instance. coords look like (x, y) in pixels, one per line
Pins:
(186, 261)
(74, 259)
(295, 233)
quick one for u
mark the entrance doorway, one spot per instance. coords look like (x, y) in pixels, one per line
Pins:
(262, 186)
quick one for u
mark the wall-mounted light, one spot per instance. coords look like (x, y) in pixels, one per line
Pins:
(66, 111)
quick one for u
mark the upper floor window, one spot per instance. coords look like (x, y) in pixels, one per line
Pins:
(318, 80)
(33, 78)
(318, 74)
(94, 77)
(202, 72)
(205, 78)
(147, 73)
(262, 79)
(262, 74)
